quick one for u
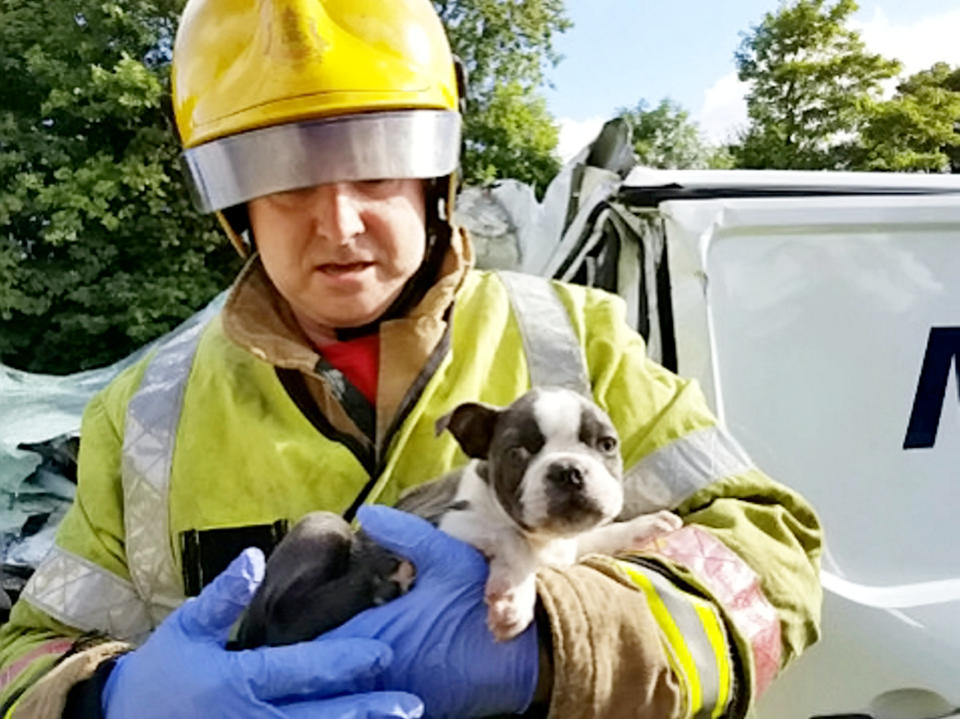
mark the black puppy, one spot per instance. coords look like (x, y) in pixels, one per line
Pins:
(319, 576)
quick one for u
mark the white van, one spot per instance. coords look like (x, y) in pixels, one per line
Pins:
(821, 314)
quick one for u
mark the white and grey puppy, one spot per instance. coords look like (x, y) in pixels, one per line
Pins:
(543, 488)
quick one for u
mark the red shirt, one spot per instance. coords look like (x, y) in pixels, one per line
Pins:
(358, 359)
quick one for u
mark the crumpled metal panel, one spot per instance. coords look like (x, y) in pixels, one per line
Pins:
(665, 478)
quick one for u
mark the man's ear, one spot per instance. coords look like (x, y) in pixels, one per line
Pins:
(472, 425)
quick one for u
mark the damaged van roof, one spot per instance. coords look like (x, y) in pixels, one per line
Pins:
(790, 181)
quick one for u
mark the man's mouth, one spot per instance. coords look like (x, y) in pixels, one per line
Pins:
(343, 268)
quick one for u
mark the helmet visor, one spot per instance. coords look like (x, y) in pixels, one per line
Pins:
(377, 145)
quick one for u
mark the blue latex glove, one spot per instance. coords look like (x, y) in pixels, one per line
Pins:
(444, 652)
(183, 669)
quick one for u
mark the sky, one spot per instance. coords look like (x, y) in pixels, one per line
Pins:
(621, 51)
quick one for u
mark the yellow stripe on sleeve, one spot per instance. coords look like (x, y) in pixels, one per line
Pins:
(673, 636)
(721, 650)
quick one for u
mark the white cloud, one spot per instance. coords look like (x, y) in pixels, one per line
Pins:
(917, 45)
(577, 134)
(724, 109)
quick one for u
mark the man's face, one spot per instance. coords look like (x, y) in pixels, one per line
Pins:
(340, 253)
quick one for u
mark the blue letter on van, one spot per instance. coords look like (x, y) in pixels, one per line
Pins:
(943, 350)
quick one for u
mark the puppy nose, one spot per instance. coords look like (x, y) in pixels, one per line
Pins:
(566, 475)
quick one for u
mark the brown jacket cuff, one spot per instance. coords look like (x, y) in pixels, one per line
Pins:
(608, 662)
(47, 698)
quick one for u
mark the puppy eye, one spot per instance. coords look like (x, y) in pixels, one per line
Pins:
(517, 455)
(607, 444)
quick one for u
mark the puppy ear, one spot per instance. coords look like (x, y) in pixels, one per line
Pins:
(472, 425)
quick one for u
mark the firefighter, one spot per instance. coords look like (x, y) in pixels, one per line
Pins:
(325, 135)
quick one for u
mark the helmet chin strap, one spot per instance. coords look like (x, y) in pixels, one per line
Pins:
(235, 223)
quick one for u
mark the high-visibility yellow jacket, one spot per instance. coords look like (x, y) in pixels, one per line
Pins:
(207, 437)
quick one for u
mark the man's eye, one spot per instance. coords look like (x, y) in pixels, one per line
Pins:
(378, 185)
(287, 198)
(607, 444)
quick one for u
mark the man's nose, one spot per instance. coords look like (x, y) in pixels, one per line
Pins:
(337, 212)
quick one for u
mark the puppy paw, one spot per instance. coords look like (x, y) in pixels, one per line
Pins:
(386, 587)
(507, 616)
(404, 576)
(648, 526)
(497, 588)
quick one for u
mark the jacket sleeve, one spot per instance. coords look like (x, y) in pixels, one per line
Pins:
(54, 637)
(700, 621)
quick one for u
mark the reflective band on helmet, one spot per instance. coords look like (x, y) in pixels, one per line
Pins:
(81, 594)
(694, 640)
(153, 415)
(554, 356)
(665, 478)
(377, 145)
(735, 586)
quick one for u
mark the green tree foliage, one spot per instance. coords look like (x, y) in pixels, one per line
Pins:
(917, 129)
(665, 137)
(514, 136)
(812, 85)
(100, 250)
(506, 47)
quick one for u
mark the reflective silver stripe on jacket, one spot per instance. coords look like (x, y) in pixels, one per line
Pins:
(149, 439)
(665, 478)
(82, 594)
(553, 352)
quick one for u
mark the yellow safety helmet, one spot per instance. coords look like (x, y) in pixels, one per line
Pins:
(274, 95)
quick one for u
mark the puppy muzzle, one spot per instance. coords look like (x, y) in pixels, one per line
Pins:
(569, 494)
